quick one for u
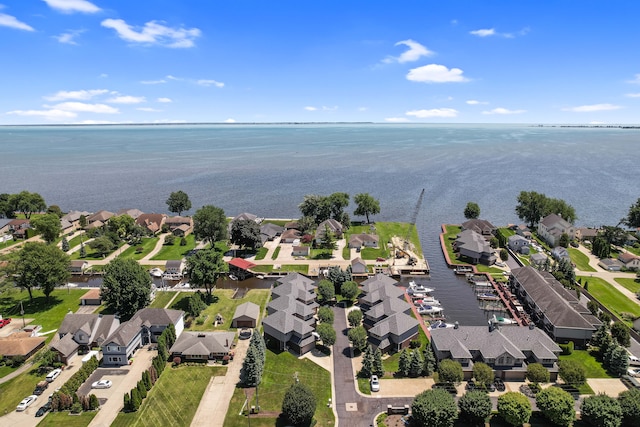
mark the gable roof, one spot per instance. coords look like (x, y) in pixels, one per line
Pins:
(396, 324)
(245, 216)
(65, 345)
(481, 226)
(92, 294)
(127, 331)
(203, 343)
(555, 221)
(472, 241)
(73, 322)
(133, 213)
(376, 281)
(248, 309)
(20, 345)
(101, 216)
(627, 257)
(241, 263)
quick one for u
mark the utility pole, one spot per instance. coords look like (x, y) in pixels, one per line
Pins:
(22, 314)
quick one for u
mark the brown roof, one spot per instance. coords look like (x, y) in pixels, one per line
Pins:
(15, 345)
(151, 221)
(92, 294)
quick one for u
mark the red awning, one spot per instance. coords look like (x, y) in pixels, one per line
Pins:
(241, 263)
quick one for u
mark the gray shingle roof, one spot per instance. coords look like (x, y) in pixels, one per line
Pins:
(396, 324)
(388, 307)
(247, 309)
(376, 281)
(203, 343)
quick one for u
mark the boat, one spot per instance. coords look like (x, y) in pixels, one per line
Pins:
(488, 296)
(440, 324)
(156, 272)
(463, 269)
(232, 277)
(499, 320)
(428, 300)
(416, 288)
(260, 276)
(430, 309)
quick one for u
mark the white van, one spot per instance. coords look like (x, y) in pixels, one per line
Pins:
(53, 374)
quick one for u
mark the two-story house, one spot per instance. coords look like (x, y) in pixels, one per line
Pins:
(552, 227)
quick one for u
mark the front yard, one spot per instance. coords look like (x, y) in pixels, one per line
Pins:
(56, 419)
(580, 260)
(138, 252)
(176, 251)
(610, 297)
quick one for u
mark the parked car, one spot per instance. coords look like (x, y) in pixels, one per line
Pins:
(471, 385)
(633, 372)
(499, 384)
(101, 384)
(41, 387)
(26, 402)
(54, 374)
(574, 244)
(375, 383)
(43, 409)
(5, 322)
(245, 333)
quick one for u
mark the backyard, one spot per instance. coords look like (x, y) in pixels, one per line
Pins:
(55, 419)
(138, 252)
(610, 297)
(176, 251)
(162, 298)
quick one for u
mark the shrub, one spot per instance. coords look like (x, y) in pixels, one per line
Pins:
(475, 407)
(572, 372)
(355, 318)
(169, 239)
(434, 408)
(183, 242)
(450, 371)
(94, 403)
(414, 344)
(514, 408)
(139, 249)
(601, 411)
(299, 404)
(76, 408)
(325, 315)
(629, 401)
(556, 405)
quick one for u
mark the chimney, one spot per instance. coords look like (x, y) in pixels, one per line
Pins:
(227, 342)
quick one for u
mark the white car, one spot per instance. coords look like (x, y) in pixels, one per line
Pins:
(53, 374)
(26, 402)
(101, 384)
(633, 359)
(633, 372)
(375, 383)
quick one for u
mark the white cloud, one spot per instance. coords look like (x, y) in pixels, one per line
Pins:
(103, 75)
(153, 82)
(396, 119)
(633, 95)
(435, 112)
(70, 6)
(170, 77)
(363, 108)
(230, 120)
(126, 99)
(208, 83)
(435, 73)
(476, 102)
(504, 111)
(148, 109)
(68, 37)
(310, 108)
(51, 114)
(12, 22)
(154, 33)
(164, 100)
(592, 108)
(82, 95)
(334, 108)
(636, 79)
(86, 108)
(484, 32)
(415, 52)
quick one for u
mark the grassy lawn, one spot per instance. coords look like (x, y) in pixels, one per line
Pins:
(275, 253)
(450, 235)
(390, 363)
(9, 243)
(580, 260)
(224, 306)
(280, 371)
(321, 254)
(176, 251)
(613, 299)
(630, 284)
(592, 368)
(298, 268)
(262, 252)
(77, 240)
(173, 400)
(147, 245)
(18, 388)
(163, 298)
(55, 419)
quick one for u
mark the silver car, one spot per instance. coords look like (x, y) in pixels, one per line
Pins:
(24, 404)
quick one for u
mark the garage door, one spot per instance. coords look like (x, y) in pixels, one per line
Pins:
(244, 323)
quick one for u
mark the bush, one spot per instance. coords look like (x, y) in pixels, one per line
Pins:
(94, 403)
(434, 408)
(567, 348)
(176, 361)
(536, 373)
(572, 372)
(514, 408)
(629, 401)
(475, 407)
(325, 315)
(414, 344)
(169, 239)
(601, 411)
(450, 371)
(355, 318)
(299, 404)
(76, 408)
(183, 242)
(556, 405)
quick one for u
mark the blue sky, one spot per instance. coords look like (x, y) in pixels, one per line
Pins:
(154, 61)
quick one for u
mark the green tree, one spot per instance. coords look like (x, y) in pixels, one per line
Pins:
(593, 308)
(556, 405)
(338, 276)
(600, 247)
(64, 245)
(210, 224)
(632, 220)
(326, 291)
(258, 344)
(126, 287)
(48, 226)
(316, 207)
(28, 203)
(504, 254)
(358, 337)
(367, 363)
(299, 404)
(618, 361)
(536, 373)
(416, 364)
(102, 245)
(434, 408)
(325, 315)
(245, 233)
(560, 207)
(482, 373)
(403, 363)
(475, 406)
(196, 304)
(377, 368)
(367, 205)
(204, 268)
(629, 401)
(337, 202)
(40, 265)
(6, 206)
(600, 334)
(251, 371)
(354, 317)
(136, 399)
(121, 225)
(55, 209)
(349, 290)
(564, 240)
(178, 202)
(327, 334)
(620, 333)
(514, 408)
(429, 361)
(531, 207)
(601, 411)
(472, 210)
(450, 371)
(572, 372)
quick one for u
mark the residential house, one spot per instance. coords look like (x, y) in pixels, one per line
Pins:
(18, 228)
(507, 350)
(557, 310)
(79, 332)
(523, 230)
(290, 235)
(552, 227)
(78, 266)
(393, 333)
(144, 328)
(180, 226)
(202, 346)
(66, 226)
(480, 226)
(359, 267)
(384, 309)
(91, 298)
(151, 222)
(560, 252)
(300, 251)
(20, 344)
(334, 227)
(270, 231)
(73, 217)
(363, 241)
(474, 246)
(611, 264)
(4, 226)
(538, 259)
(174, 267)
(245, 216)
(518, 244)
(629, 260)
(246, 315)
(133, 213)
(583, 233)
(101, 216)
(630, 240)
